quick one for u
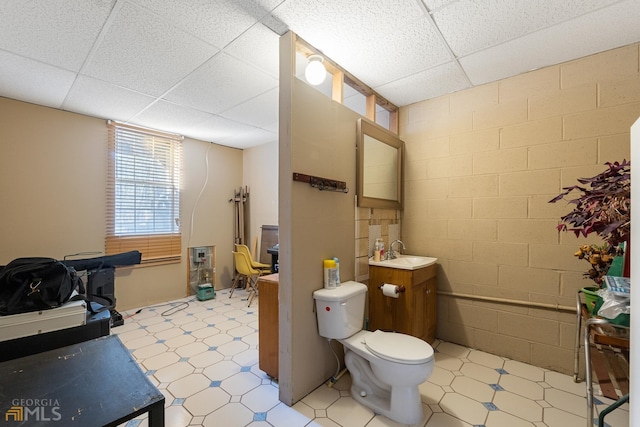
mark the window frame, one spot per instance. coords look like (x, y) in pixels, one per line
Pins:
(156, 147)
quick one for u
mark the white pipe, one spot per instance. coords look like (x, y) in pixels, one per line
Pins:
(335, 379)
(509, 301)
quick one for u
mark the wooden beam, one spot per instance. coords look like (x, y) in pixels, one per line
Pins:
(393, 121)
(337, 90)
(370, 111)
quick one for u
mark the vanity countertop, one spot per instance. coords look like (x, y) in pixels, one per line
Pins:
(269, 278)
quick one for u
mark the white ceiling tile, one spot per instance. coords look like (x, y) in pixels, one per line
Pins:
(432, 5)
(142, 53)
(258, 46)
(32, 81)
(214, 128)
(166, 115)
(249, 139)
(260, 111)
(221, 84)
(273, 127)
(58, 32)
(369, 39)
(132, 52)
(427, 84)
(217, 22)
(101, 99)
(472, 25)
(217, 129)
(579, 37)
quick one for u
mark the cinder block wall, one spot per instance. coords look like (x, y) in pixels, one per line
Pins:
(482, 165)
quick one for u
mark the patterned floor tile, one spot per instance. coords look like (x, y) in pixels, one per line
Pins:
(203, 356)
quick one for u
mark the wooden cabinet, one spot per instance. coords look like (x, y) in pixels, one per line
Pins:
(268, 324)
(414, 311)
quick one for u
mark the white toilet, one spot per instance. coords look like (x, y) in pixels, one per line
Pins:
(386, 367)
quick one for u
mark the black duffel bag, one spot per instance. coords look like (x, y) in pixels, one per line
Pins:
(34, 284)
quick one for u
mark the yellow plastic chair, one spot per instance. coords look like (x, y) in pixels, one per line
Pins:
(244, 269)
(263, 268)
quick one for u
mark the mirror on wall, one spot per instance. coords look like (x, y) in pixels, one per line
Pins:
(380, 158)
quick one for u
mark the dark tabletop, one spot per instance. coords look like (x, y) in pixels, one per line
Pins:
(93, 383)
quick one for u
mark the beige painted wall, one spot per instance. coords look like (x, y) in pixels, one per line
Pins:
(260, 174)
(482, 165)
(317, 137)
(52, 193)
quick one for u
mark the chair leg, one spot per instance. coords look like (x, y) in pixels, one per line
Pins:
(253, 285)
(235, 284)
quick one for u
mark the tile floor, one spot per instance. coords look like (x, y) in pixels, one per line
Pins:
(203, 356)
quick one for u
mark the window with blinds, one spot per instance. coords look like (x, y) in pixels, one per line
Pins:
(143, 194)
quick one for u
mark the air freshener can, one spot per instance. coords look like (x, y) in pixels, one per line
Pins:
(330, 273)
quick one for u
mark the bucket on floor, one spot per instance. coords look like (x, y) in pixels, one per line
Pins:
(205, 292)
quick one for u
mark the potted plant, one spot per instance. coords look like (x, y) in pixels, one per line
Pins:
(602, 206)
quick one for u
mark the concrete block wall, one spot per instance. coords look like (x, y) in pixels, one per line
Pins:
(481, 166)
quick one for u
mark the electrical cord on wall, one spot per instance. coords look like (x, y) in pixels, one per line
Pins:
(204, 185)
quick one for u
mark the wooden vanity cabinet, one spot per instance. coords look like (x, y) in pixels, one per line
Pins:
(414, 311)
(268, 325)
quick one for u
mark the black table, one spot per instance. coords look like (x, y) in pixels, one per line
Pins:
(98, 325)
(93, 383)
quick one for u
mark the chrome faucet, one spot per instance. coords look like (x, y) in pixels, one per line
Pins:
(393, 254)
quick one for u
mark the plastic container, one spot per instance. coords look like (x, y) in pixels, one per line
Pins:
(337, 271)
(378, 255)
(330, 274)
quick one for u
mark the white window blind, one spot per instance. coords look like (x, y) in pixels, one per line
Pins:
(143, 196)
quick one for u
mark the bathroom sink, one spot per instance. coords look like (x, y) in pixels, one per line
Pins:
(405, 262)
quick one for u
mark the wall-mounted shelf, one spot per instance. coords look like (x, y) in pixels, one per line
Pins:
(322, 184)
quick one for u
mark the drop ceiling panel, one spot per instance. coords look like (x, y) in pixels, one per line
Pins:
(411, 49)
(58, 32)
(221, 84)
(179, 118)
(472, 25)
(427, 84)
(227, 132)
(579, 37)
(437, 4)
(258, 46)
(371, 40)
(181, 65)
(249, 138)
(32, 81)
(216, 22)
(101, 99)
(260, 111)
(142, 53)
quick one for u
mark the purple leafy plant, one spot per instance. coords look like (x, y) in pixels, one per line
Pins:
(602, 206)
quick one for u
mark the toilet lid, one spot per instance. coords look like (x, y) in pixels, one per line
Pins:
(399, 348)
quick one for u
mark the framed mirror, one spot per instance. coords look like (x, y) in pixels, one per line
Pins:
(379, 167)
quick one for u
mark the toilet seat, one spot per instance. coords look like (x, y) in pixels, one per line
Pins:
(399, 348)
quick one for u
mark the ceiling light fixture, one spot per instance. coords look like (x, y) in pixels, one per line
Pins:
(315, 71)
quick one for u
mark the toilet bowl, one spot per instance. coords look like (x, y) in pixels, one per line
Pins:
(386, 367)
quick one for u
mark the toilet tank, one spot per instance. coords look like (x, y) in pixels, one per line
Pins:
(340, 311)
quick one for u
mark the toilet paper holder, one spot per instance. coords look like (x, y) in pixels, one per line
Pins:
(399, 288)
